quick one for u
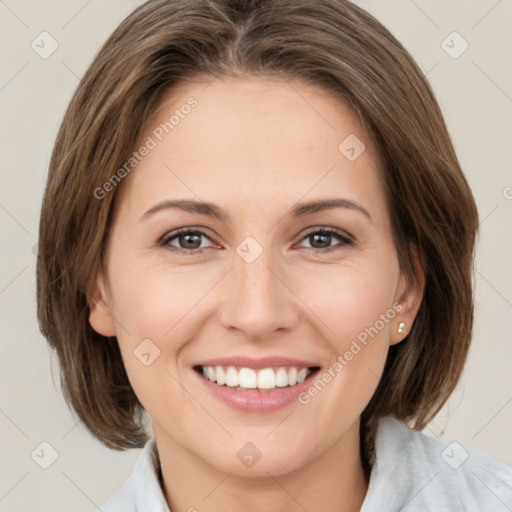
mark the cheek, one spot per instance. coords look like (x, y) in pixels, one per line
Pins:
(154, 301)
(357, 307)
(158, 311)
(168, 305)
(353, 300)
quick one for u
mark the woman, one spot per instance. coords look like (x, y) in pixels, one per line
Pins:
(264, 240)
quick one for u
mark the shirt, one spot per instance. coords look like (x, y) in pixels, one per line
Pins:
(412, 472)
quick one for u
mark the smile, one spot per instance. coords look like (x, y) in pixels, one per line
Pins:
(263, 379)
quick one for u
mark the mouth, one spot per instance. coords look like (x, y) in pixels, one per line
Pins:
(244, 378)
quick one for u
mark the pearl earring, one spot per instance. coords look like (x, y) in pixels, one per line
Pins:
(401, 326)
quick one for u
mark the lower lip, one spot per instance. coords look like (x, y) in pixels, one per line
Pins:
(255, 400)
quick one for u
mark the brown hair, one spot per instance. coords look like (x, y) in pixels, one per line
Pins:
(332, 44)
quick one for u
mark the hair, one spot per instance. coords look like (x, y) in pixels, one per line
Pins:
(331, 44)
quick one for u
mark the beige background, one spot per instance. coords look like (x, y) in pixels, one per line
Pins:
(475, 93)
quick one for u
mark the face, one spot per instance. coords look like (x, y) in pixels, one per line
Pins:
(259, 319)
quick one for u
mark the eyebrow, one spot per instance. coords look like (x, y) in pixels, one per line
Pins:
(212, 210)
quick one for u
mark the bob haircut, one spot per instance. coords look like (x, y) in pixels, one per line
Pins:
(332, 44)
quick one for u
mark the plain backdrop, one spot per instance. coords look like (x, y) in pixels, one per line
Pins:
(474, 89)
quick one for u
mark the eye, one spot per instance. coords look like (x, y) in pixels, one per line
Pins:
(188, 240)
(321, 239)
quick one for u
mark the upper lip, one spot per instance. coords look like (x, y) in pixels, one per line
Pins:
(257, 363)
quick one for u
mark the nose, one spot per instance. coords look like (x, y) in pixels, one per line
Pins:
(258, 298)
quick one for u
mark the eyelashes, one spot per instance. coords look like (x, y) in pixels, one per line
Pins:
(182, 234)
(192, 235)
(330, 233)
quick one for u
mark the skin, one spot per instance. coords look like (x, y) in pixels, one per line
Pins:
(254, 147)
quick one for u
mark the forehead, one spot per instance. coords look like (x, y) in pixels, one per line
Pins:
(237, 139)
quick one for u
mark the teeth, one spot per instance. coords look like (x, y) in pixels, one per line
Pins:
(266, 379)
(231, 378)
(247, 378)
(282, 378)
(292, 377)
(220, 376)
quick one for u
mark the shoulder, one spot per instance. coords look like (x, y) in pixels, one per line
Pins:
(121, 501)
(142, 491)
(416, 471)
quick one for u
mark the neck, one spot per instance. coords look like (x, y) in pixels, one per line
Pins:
(335, 481)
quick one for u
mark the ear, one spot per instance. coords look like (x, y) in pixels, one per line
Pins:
(100, 317)
(409, 296)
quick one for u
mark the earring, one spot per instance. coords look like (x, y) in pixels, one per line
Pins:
(401, 326)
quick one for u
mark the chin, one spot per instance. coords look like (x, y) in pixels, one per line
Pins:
(257, 457)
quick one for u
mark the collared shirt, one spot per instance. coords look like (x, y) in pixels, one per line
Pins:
(412, 472)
